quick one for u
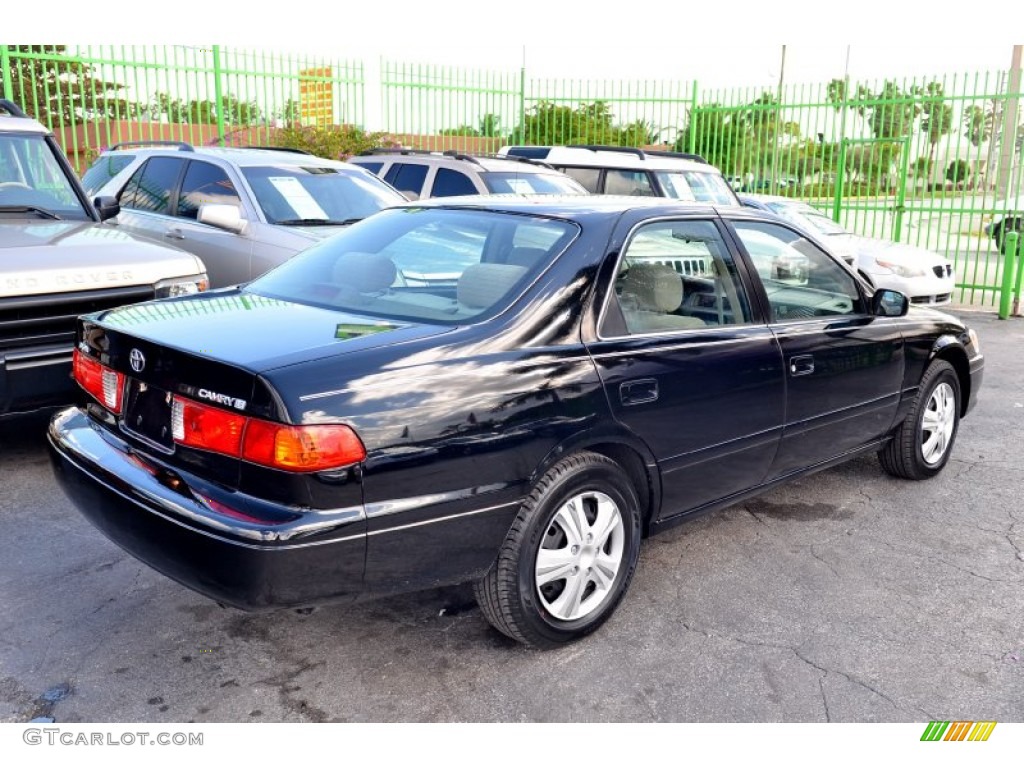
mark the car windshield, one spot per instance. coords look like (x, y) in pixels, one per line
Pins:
(531, 183)
(436, 265)
(808, 216)
(697, 185)
(103, 170)
(311, 194)
(33, 181)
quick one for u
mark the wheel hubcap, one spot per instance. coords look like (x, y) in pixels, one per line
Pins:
(580, 556)
(937, 424)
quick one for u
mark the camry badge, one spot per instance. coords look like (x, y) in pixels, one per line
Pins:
(137, 360)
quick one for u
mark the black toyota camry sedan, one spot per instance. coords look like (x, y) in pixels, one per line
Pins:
(510, 392)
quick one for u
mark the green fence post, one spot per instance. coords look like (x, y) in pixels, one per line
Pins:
(522, 106)
(217, 95)
(1011, 253)
(692, 148)
(1020, 275)
(5, 72)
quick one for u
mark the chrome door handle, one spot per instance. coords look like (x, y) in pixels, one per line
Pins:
(175, 234)
(801, 365)
(638, 391)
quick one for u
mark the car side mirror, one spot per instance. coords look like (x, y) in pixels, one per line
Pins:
(222, 216)
(886, 303)
(107, 207)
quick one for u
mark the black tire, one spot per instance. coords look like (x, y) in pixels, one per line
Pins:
(510, 598)
(916, 451)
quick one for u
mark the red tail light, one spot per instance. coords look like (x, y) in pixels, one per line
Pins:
(311, 448)
(200, 426)
(104, 384)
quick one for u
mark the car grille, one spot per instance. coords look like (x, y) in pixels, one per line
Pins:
(943, 271)
(941, 298)
(28, 321)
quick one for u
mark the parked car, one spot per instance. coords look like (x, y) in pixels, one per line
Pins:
(606, 170)
(242, 211)
(1011, 219)
(924, 276)
(420, 174)
(498, 390)
(60, 261)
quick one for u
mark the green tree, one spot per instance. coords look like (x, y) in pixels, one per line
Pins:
(60, 88)
(938, 116)
(712, 133)
(462, 130)
(490, 125)
(958, 171)
(978, 124)
(550, 123)
(334, 142)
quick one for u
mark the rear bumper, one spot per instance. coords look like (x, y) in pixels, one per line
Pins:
(36, 378)
(247, 565)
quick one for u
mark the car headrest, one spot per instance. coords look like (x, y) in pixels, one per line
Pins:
(481, 285)
(364, 272)
(655, 287)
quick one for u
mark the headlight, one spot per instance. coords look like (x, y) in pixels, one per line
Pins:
(181, 286)
(903, 270)
(974, 340)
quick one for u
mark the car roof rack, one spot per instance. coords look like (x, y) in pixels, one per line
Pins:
(11, 108)
(680, 155)
(184, 146)
(643, 154)
(293, 150)
(494, 156)
(396, 151)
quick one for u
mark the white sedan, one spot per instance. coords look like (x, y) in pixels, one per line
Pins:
(925, 276)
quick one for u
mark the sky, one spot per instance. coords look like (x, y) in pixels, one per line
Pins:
(719, 44)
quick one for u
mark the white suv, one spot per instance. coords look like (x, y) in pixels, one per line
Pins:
(420, 174)
(632, 171)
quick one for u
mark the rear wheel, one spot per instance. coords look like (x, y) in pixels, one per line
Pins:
(923, 442)
(569, 556)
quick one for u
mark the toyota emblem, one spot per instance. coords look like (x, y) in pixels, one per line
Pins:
(137, 360)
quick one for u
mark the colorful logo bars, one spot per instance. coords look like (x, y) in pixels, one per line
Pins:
(958, 731)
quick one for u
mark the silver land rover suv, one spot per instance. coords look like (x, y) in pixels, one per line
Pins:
(58, 260)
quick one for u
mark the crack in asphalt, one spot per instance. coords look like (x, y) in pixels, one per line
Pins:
(795, 650)
(823, 561)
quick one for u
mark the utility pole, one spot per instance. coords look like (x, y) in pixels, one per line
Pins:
(778, 115)
(1008, 140)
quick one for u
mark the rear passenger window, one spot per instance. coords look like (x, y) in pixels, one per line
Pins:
(675, 276)
(448, 183)
(589, 178)
(205, 183)
(151, 187)
(627, 183)
(406, 177)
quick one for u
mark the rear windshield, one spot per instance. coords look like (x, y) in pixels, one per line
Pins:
(435, 265)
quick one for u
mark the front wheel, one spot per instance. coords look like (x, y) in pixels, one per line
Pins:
(569, 556)
(923, 442)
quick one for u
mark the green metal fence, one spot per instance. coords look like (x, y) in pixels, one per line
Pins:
(928, 161)
(95, 96)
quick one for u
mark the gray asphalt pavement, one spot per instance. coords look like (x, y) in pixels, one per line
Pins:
(846, 596)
